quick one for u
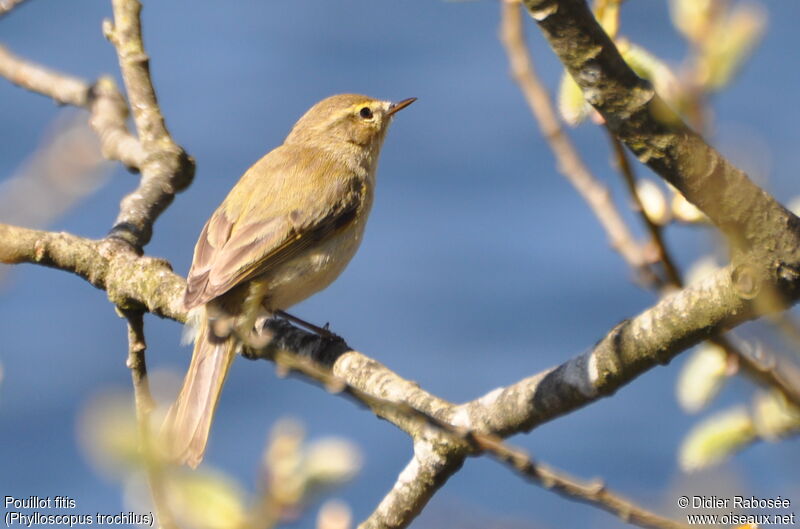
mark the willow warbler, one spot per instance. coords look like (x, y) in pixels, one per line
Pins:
(285, 231)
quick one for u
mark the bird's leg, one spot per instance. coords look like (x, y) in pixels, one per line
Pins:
(325, 332)
(253, 310)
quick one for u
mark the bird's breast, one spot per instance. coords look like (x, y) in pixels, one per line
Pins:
(315, 269)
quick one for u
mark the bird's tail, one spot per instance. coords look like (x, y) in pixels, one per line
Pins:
(188, 420)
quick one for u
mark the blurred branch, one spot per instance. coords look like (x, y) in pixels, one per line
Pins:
(107, 106)
(144, 407)
(7, 5)
(568, 159)
(625, 169)
(63, 89)
(167, 169)
(788, 326)
(65, 167)
(764, 368)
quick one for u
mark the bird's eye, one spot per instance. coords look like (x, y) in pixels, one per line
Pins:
(365, 113)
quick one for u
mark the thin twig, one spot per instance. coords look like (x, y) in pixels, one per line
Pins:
(109, 120)
(625, 168)
(594, 492)
(789, 327)
(126, 36)
(568, 159)
(764, 368)
(62, 88)
(109, 111)
(144, 407)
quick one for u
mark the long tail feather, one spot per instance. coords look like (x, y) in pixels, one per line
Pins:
(188, 421)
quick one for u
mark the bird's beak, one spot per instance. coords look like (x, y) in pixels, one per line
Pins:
(400, 105)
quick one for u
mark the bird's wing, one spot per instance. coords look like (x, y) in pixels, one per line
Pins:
(244, 239)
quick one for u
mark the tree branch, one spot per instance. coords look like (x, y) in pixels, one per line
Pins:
(762, 370)
(769, 234)
(145, 404)
(109, 111)
(441, 432)
(569, 161)
(415, 486)
(751, 218)
(440, 447)
(63, 89)
(654, 337)
(655, 231)
(662, 141)
(130, 281)
(126, 36)
(167, 168)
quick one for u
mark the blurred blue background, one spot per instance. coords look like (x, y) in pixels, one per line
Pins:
(480, 265)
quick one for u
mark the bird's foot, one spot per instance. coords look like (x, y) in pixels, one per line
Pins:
(324, 331)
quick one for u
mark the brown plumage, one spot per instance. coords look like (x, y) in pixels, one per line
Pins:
(285, 231)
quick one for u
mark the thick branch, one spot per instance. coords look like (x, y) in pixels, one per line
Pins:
(753, 221)
(749, 216)
(131, 281)
(440, 447)
(654, 337)
(415, 486)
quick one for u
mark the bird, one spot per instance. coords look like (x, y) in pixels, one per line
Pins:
(285, 231)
